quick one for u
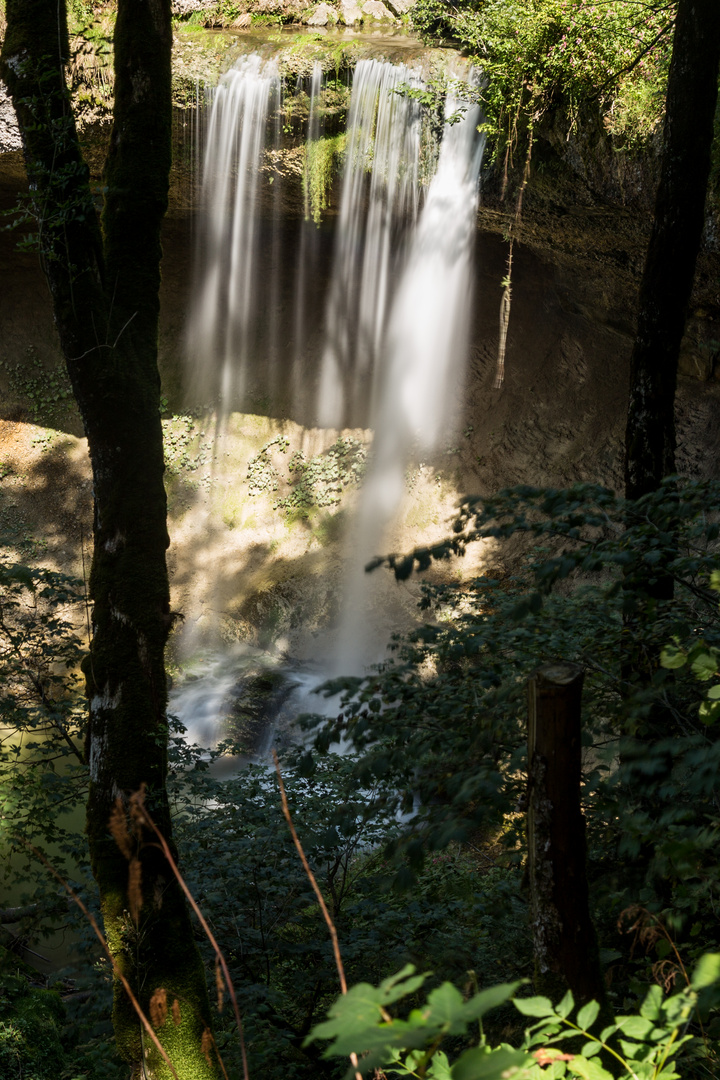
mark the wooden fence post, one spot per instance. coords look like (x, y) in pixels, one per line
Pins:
(564, 941)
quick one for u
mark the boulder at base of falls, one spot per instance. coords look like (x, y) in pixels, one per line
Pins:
(322, 15)
(377, 10)
(400, 7)
(350, 13)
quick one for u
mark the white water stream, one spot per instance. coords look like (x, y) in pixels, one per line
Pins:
(398, 303)
(380, 197)
(226, 305)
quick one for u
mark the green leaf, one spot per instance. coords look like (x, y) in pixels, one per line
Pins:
(588, 1069)
(707, 971)
(566, 1006)
(633, 1050)
(637, 1027)
(400, 985)
(704, 664)
(588, 1015)
(446, 1005)
(709, 711)
(590, 1049)
(672, 657)
(652, 1004)
(439, 1067)
(477, 1064)
(489, 999)
(355, 1015)
(534, 1006)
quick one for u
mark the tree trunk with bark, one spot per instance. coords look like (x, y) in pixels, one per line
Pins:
(565, 945)
(674, 244)
(104, 287)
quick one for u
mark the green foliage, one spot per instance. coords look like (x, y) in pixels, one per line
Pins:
(317, 482)
(265, 915)
(644, 1045)
(31, 1022)
(47, 392)
(185, 450)
(561, 53)
(262, 475)
(42, 770)
(323, 159)
(438, 733)
(442, 723)
(322, 480)
(704, 661)
(80, 15)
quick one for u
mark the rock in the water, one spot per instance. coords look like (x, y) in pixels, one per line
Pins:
(400, 7)
(322, 15)
(350, 13)
(376, 10)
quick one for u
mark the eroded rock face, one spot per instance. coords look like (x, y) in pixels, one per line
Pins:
(9, 131)
(700, 349)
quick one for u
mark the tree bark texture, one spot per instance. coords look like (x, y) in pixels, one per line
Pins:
(565, 946)
(104, 288)
(673, 248)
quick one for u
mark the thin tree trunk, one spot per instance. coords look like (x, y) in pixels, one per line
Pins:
(565, 946)
(674, 244)
(105, 300)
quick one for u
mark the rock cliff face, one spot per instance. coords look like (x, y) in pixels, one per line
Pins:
(9, 133)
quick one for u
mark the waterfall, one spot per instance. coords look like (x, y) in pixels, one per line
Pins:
(380, 198)
(423, 355)
(224, 315)
(398, 300)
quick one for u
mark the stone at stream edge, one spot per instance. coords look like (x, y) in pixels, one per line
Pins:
(377, 10)
(322, 15)
(350, 13)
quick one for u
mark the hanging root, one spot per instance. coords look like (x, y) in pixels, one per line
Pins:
(504, 321)
(506, 301)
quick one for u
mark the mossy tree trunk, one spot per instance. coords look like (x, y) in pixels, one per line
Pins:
(674, 244)
(104, 286)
